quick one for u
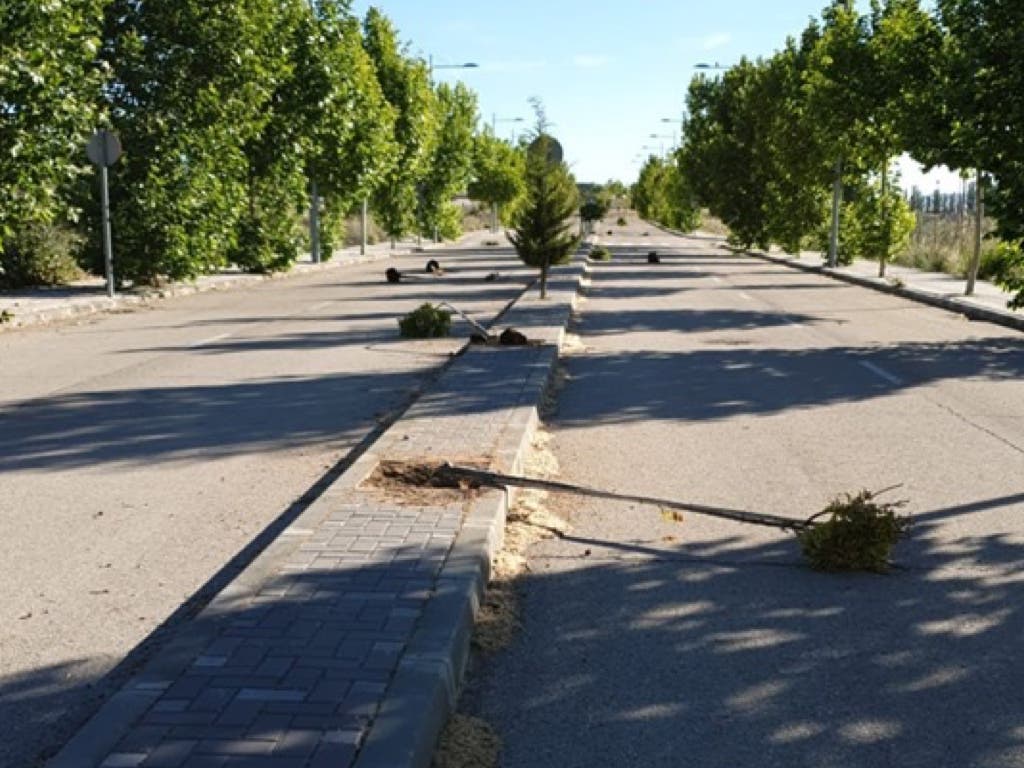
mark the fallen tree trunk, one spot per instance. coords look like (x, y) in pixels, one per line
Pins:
(497, 479)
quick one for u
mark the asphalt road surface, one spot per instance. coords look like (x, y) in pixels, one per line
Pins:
(726, 380)
(142, 452)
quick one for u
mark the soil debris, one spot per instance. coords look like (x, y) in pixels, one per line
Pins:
(422, 482)
(467, 742)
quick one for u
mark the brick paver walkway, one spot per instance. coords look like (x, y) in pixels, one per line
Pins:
(288, 666)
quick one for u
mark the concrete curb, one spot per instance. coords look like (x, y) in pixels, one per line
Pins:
(144, 297)
(959, 305)
(424, 690)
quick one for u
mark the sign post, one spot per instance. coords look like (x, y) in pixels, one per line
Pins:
(104, 149)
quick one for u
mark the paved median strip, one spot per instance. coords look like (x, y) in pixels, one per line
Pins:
(344, 642)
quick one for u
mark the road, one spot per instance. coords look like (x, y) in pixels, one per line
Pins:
(144, 451)
(726, 380)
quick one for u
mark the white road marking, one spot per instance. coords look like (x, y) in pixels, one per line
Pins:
(210, 340)
(317, 307)
(717, 279)
(746, 296)
(881, 372)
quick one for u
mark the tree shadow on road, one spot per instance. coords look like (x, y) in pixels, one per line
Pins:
(716, 383)
(727, 651)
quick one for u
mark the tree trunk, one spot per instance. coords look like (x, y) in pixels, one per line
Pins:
(884, 253)
(544, 277)
(833, 237)
(979, 216)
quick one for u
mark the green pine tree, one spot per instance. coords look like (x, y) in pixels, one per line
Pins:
(543, 233)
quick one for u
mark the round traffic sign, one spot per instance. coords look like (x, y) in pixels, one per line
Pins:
(554, 149)
(104, 148)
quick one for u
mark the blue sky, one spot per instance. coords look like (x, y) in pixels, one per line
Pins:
(608, 74)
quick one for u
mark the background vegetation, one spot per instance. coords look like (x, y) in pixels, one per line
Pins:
(765, 144)
(231, 112)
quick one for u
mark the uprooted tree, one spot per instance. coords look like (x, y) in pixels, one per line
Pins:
(543, 228)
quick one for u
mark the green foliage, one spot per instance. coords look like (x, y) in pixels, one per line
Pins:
(406, 86)
(600, 253)
(498, 172)
(593, 210)
(543, 230)
(193, 94)
(858, 535)
(663, 194)
(1004, 264)
(425, 322)
(40, 254)
(50, 83)
(451, 164)
(876, 224)
(349, 126)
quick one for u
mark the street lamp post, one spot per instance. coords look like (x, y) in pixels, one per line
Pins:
(495, 120)
(661, 137)
(431, 66)
(675, 132)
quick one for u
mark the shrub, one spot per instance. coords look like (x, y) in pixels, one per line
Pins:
(858, 536)
(40, 254)
(600, 253)
(621, 221)
(998, 263)
(425, 322)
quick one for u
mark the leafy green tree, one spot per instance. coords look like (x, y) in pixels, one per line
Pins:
(837, 86)
(348, 127)
(405, 83)
(878, 222)
(543, 233)
(593, 210)
(662, 194)
(191, 91)
(981, 118)
(450, 167)
(498, 175)
(722, 157)
(50, 83)
(266, 239)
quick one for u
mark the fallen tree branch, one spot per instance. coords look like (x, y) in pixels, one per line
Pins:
(497, 479)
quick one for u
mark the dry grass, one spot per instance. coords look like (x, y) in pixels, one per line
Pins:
(943, 243)
(467, 742)
(529, 521)
(712, 225)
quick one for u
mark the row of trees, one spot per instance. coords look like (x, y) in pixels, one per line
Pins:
(232, 114)
(772, 143)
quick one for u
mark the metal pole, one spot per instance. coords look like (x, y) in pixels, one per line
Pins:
(837, 193)
(979, 215)
(362, 244)
(314, 222)
(108, 246)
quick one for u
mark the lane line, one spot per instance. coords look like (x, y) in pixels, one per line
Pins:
(317, 307)
(210, 340)
(881, 372)
(746, 296)
(717, 279)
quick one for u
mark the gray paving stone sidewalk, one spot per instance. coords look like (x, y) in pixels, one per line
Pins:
(316, 645)
(988, 302)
